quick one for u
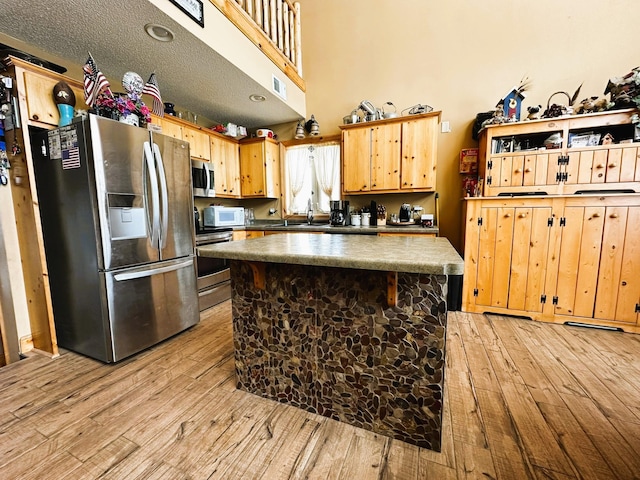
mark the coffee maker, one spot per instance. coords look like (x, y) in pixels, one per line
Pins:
(405, 213)
(339, 212)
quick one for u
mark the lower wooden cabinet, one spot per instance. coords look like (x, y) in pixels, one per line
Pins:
(558, 259)
(254, 234)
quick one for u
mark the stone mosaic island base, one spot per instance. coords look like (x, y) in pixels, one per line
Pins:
(323, 339)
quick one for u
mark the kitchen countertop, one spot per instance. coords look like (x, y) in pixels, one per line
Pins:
(412, 254)
(325, 227)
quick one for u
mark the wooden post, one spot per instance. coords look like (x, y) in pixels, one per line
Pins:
(248, 7)
(392, 289)
(292, 35)
(280, 40)
(265, 17)
(298, 48)
(258, 12)
(285, 28)
(274, 27)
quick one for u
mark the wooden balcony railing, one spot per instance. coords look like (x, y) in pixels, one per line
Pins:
(274, 27)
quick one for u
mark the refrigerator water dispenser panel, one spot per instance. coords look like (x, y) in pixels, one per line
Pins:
(127, 219)
(126, 223)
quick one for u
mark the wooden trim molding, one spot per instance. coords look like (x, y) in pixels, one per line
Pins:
(259, 274)
(392, 289)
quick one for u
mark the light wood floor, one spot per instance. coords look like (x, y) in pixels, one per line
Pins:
(524, 400)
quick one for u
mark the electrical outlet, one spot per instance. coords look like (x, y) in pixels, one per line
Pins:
(445, 127)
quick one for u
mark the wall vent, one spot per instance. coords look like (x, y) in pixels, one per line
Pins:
(279, 87)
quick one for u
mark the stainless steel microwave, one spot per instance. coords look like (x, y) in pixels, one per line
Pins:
(202, 179)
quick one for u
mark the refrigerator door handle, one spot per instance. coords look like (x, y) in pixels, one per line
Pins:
(142, 272)
(164, 197)
(151, 169)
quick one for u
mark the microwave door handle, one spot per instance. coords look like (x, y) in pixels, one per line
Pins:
(164, 202)
(203, 177)
(207, 185)
(153, 182)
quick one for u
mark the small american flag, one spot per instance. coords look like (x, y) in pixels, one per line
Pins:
(71, 158)
(94, 81)
(151, 88)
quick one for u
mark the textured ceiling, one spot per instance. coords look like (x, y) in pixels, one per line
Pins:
(190, 74)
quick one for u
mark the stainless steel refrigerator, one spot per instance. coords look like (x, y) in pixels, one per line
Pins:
(116, 208)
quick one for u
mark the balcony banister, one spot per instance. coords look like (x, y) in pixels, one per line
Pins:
(274, 27)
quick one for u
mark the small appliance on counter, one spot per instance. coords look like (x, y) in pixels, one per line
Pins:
(219, 216)
(405, 213)
(337, 216)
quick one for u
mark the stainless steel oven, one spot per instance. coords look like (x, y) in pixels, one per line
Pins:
(214, 285)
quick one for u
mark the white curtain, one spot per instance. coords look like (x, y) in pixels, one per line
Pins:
(297, 166)
(327, 167)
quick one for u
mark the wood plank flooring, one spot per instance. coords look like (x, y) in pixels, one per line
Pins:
(523, 400)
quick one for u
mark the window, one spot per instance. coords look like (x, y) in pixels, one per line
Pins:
(312, 172)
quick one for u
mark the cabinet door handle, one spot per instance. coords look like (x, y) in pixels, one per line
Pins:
(613, 215)
(527, 170)
(595, 215)
(600, 165)
(507, 215)
(517, 170)
(522, 215)
(613, 165)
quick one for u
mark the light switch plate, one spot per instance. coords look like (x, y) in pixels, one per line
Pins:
(445, 127)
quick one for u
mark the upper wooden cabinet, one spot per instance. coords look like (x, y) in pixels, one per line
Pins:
(371, 158)
(169, 127)
(520, 157)
(419, 154)
(259, 168)
(225, 157)
(199, 145)
(392, 155)
(39, 96)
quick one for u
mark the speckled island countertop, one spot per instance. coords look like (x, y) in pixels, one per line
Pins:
(411, 254)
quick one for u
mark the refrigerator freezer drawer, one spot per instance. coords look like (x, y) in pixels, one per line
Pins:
(149, 304)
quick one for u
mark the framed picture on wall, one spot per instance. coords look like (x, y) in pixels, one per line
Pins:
(193, 8)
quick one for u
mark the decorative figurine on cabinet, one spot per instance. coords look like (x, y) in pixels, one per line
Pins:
(65, 99)
(512, 101)
(534, 112)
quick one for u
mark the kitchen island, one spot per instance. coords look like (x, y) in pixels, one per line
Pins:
(351, 327)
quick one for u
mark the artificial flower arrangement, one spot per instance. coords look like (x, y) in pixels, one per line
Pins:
(121, 105)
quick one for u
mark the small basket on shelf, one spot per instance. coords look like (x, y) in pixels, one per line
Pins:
(557, 110)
